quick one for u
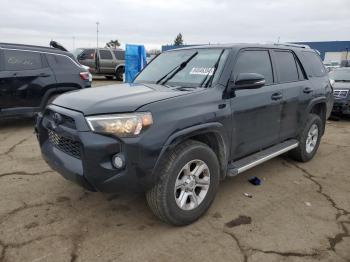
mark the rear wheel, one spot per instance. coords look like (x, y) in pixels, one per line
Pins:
(119, 74)
(309, 139)
(187, 186)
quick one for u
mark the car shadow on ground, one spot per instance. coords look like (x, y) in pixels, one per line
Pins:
(17, 122)
(339, 118)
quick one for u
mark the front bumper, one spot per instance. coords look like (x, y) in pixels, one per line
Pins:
(84, 157)
(341, 107)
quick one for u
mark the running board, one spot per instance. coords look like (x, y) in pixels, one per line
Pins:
(235, 168)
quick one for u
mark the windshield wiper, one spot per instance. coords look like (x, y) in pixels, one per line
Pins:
(177, 69)
(214, 71)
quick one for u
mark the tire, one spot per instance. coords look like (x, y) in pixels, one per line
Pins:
(119, 74)
(302, 153)
(109, 77)
(164, 200)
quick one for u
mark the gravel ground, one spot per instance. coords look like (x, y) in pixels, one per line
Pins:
(301, 212)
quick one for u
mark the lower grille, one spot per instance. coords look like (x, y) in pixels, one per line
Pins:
(64, 144)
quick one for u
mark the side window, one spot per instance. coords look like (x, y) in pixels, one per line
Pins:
(105, 54)
(120, 55)
(21, 60)
(61, 62)
(315, 64)
(87, 54)
(255, 61)
(287, 67)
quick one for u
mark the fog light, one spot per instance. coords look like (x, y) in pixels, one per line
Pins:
(118, 161)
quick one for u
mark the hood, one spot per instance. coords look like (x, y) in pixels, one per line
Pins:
(116, 98)
(341, 85)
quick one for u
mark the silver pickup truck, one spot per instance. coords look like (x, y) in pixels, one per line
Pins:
(106, 62)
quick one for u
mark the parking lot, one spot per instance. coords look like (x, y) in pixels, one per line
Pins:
(301, 212)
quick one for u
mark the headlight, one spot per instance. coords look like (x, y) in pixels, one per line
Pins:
(121, 125)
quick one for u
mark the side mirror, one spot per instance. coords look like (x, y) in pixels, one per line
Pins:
(249, 81)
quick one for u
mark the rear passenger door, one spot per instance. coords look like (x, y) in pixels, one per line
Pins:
(120, 57)
(105, 62)
(296, 91)
(255, 112)
(24, 79)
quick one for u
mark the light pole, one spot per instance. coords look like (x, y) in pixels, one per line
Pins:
(73, 43)
(97, 23)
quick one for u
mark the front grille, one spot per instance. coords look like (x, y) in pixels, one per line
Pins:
(66, 120)
(340, 93)
(64, 144)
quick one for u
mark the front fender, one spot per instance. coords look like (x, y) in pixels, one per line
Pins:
(184, 134)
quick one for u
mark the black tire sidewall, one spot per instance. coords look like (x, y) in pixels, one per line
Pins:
(201, 152)
(313, 119)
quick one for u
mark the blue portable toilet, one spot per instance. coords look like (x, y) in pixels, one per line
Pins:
(135, 60)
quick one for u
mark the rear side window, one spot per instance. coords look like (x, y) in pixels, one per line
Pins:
(314, 64)
(287, 67)
(62, 62)
(21, 60)
(255, 61)
(120, 55)
(105, 54)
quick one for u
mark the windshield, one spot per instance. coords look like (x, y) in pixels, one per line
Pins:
(340, 74)
(199, 67)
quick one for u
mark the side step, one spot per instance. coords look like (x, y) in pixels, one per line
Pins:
(251, 161)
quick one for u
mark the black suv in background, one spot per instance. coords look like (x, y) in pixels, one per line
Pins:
(341, 78)
(30, 76)
(192, 117)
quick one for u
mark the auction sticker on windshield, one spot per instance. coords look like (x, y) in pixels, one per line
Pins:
(202, 71)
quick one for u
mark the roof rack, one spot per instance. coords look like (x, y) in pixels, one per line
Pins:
(293, 45)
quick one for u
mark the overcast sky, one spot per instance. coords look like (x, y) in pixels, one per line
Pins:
(157, 22)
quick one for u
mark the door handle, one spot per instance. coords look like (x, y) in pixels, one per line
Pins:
(276, 96)
(307, 90)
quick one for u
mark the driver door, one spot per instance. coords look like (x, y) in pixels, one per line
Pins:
(256, 113)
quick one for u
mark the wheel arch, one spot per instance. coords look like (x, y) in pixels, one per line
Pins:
(119, 66)
(319, 107)
(211, 134)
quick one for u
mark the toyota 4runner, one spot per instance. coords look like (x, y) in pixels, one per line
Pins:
(191, 118)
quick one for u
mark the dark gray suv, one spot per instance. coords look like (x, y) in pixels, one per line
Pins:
(31, 76)
(190, 119)
(341, 78)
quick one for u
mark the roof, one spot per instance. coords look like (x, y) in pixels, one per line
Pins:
(34, 48)
(239, 46)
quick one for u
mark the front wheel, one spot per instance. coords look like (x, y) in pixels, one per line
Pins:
(187, 186)
(309, 139)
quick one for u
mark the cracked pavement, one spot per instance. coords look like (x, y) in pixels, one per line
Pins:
(301, 212)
